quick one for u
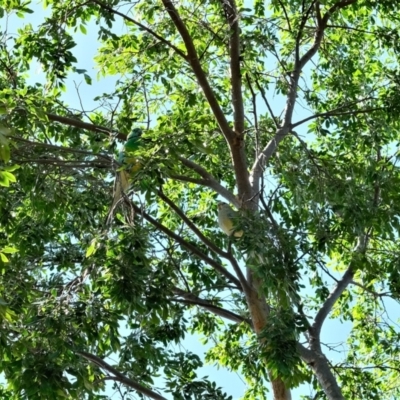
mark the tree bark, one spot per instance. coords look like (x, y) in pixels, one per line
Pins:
(325, 377)
(259, 311)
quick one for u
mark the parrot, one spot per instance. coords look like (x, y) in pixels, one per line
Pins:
(130, 164)
(226, 215)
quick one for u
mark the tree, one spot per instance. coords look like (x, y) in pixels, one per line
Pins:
(317, 196)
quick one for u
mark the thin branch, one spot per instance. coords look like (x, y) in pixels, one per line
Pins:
(70, 121)
(326, 270)
(184, 178)
(267, 103)
(121, 377)
(375, 294)
(192, 248)
(156, 35)
(237, 269)
(191, 298)
(61, 148)
(301, 27)
(215, 36)
(348, 276)
(210, 181)
(286, 15)
(147, 104)
(331, 300)
(198, 70)
(350, 29)
(254, 103)
(336, 113)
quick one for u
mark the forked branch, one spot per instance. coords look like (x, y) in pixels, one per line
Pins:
(284, 130)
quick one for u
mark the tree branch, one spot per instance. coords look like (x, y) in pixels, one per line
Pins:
(306, 354)
(184, 178)
(70, 121)
(338, 290)
(210, 181)
(286, 15)
(198, 70)
(191, 298)
(319, 33)
(255, 115)
(121, 377)
(284, 130)
(325, 377)
(218, 267)
(232, 17)
(331, 300)
(274, 119)
(301, 27)
(336, 113)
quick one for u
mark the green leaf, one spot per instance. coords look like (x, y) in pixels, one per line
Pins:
(88, 79)
(5, 153)
(9, 250)
(92, 248)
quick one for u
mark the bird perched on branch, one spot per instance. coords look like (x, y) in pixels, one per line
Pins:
(129, 164)
(226, 219)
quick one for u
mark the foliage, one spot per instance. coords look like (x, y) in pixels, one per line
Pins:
(286, 109)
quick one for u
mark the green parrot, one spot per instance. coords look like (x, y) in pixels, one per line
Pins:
(226, 217)
(130, 165)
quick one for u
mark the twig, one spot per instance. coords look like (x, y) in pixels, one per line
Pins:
(337, 113)
(254, 103)
(267, 103)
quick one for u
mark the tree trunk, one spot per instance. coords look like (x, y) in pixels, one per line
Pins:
(325, 377)
(259, 312)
